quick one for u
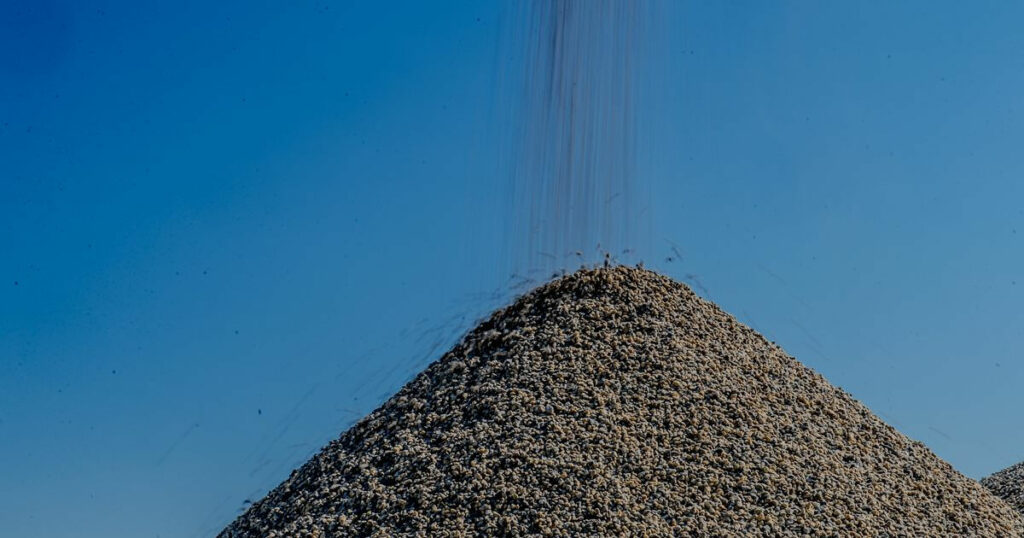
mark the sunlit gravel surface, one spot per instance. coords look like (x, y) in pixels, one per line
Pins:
(615, 402)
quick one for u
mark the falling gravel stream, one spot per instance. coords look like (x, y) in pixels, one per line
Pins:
(572, 75)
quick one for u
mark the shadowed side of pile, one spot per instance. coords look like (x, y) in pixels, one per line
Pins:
(615, 402)
(1008, 485)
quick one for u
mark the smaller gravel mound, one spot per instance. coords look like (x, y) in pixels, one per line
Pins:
(1008, 485)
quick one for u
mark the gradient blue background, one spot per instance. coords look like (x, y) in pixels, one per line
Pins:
(229, 231)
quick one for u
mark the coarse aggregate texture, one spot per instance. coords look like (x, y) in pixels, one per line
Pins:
(1008, 485)
(615, 402)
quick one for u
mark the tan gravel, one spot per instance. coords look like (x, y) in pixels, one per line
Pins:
(615, 402)
(1008, 485)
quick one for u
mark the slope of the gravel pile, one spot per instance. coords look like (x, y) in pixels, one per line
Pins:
(1008, 485)
(615, 402)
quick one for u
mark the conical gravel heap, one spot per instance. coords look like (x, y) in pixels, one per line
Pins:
(1008, 485)
(615, 402)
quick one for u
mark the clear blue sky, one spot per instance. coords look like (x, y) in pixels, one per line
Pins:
(228, 231)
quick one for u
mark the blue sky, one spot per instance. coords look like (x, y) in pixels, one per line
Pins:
(228, 231)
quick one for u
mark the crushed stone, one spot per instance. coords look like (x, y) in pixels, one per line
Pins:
(616, 402)
(1008, 485)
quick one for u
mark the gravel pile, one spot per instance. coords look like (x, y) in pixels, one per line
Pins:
(1008, 485)
(615, 402)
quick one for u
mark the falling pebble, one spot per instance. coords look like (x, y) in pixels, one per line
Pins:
(259, 411)
(113, 371)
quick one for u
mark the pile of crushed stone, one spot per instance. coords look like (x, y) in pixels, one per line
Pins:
(615, 402)
(1008, 485)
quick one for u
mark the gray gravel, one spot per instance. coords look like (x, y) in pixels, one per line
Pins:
(615, 402)
(1008, 485)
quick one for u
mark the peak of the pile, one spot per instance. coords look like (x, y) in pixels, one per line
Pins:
(613, 282)
(613, 275)
(614, 402)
